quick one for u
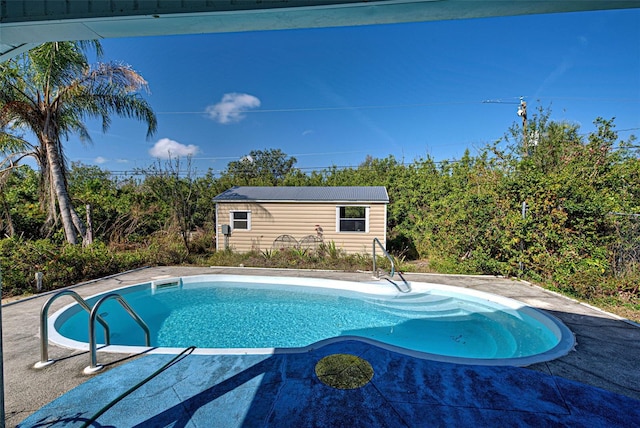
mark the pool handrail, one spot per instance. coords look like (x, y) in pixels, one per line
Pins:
(384, 251)
(393, 267)
(44, 327)
(407, 290)
(94, 366)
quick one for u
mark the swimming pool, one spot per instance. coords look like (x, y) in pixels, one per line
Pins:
(233, 314)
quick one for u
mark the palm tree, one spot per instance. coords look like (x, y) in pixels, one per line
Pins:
(49, 92)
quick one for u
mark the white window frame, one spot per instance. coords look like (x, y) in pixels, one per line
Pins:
(232, 220)
(366, 219)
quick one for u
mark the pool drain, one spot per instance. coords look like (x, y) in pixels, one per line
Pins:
(344, 371)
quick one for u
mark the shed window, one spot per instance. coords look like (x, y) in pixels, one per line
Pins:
(241, 220)
(353, 219)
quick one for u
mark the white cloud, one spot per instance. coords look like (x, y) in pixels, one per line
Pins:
(100, 160)
(122, 160)
(231, 107)
(307, 132)
(166, 149)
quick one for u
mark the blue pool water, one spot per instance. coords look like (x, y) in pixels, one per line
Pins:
(208, 313)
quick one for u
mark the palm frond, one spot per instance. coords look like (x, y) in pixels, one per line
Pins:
(71, 124)
(55, 64)
(10, 144)
(107, 89)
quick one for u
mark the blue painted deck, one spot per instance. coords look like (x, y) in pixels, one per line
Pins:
(282, 390)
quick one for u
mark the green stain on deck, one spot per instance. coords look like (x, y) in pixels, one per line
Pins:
(344, 371)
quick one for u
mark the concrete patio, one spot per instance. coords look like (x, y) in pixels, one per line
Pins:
(606, 357)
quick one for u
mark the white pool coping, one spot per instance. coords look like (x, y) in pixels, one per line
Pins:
(566, 339)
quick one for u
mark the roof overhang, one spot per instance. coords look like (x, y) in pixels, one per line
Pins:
(26, 23)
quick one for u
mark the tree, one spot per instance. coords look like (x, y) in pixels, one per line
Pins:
(110, 207)
(19, 209)
(15, 148)
(261, 167)
(49, 92)
(180, 194)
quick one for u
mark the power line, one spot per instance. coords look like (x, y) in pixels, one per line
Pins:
(196, 173)
(329, 108)
(411, 105)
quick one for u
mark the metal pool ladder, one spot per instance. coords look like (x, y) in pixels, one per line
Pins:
(44, 327)
(93, 316)
(94, 366)
(407, 287)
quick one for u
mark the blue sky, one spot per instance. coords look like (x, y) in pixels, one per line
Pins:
(333, 96)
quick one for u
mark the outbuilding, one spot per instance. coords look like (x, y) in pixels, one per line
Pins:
(261, 218)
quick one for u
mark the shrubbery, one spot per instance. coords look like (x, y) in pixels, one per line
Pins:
(61, 265)
(580, 232)
(327, 257)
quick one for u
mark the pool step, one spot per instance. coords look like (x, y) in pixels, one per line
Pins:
(422, 305)
(419, 301)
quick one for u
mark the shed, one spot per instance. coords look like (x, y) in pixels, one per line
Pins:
(259, 218)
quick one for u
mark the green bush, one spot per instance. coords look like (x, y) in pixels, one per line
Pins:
(330, 258)
(61, 265)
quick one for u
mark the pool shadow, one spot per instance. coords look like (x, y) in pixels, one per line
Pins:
(279, 390)
(282, 390)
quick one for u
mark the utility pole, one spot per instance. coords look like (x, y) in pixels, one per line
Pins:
(522, 112)
(520, 263)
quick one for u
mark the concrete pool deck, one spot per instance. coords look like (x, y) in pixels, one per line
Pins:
(282, 390)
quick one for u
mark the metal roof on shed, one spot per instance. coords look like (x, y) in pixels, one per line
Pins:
(305, 194)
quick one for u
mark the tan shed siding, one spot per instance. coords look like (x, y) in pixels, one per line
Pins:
(270, 220)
